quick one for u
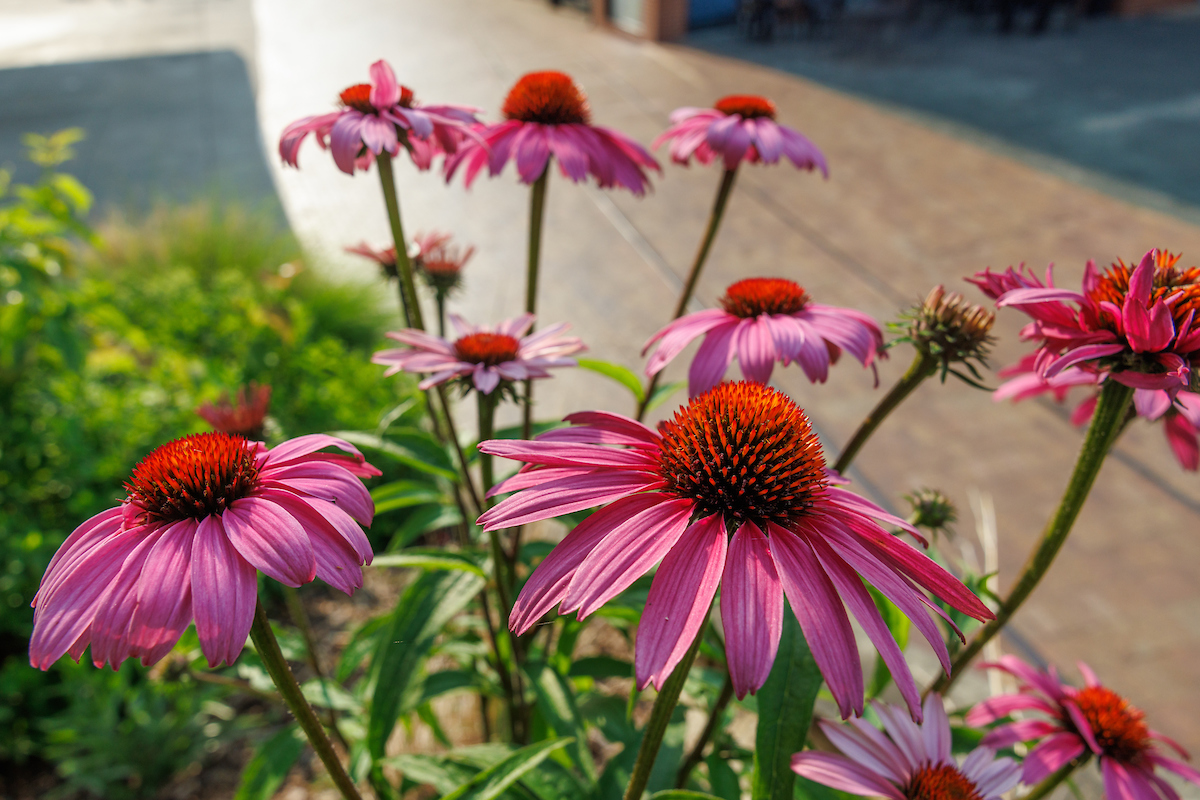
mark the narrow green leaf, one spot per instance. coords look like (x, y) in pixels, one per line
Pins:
(785, 706)
(663, 393)
(618, 373)
(404, 494)
(270, 764)
(439, 772)
(409, 446)
(360, 646)
(722, 778)
(600, 667)
(451, 680)
(492, 782)
(682, 794)
(556, 702)
(421, 612)
(423, 520)
(429, 561)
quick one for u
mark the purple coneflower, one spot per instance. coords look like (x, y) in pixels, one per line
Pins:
(740, 459)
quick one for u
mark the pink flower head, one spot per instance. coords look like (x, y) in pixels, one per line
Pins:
(488, 355)
(243, 417)
(385, 258)
(906, 761)
(761, 321)
(1180, 414)
(1093, 720)
(738, 128)
(381, 117)
(1139, 325)
(740, 459)
(203, 515)
(546, 114)
(439, 262)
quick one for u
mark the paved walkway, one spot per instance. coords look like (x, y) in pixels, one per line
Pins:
(906, 207)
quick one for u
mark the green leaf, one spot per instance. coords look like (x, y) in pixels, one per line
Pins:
(899, 626)
(785, 707)
(421, 612)
(600, 667)
(361, 644)
(423, 520)
(663, 393)
(428, 560)
(451, 680)
(556, 702)
(409, 446)
(722, 778)
(682, 794)
(439, 772)
(271, 763)
(404, 494)
(492, 782)
(622, 375)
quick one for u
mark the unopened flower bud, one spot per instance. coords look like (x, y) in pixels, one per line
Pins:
(931, 510)
(948, 328)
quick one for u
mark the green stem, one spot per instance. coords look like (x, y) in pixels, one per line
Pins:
(660, 717)
(285, 681)
(464, 468)
(537, 205)
(408, 288)
(441, 308)
(710, 727)
(487, 418)
(1051, 783)
(922, 367)
(1107, 422)
(689, 287)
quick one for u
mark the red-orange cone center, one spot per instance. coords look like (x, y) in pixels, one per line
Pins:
(747, 106)
(358, 97)
(487, 348)
(550, 98)
(940, 782)
(193, 477)
(753, 296)
(743, 450)
(1118, 727)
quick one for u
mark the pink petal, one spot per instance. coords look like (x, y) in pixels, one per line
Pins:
(379, 135)
(547, 585)
(224, 593)
(992, 709)
(712, 359)
(385, 91)
(1078, 355)
(77, 547)
(822, 617)
(756, 349)
(1050, 756)
(554, 454)
(625, 554)
(345, 140)
(293, 449)
(839, 772)
(164, 594)
(680, 596)
(338, 562)
(270, 539)
(679, 334)
(1121, 784)
(326, 481)
(110, 627)
(865, 745)
(565, 496)
(751, 609)
(1182, 770)
(1025, 730)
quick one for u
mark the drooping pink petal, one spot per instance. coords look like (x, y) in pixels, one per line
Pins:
(822, 618)
(843, 774)
(751, 609)
(1050, 756)
(1120, 783)
(625, 554)
(996, 708)
(110, 625)
(677, 335)
(338, 562)
(345, 140)
(864, 744)
(164, 594)
(1025, 730)
(565, 496)
(271, 540)
(756, 349)
(326, 481)
(712, 359)
(556, 454)
(224, 593)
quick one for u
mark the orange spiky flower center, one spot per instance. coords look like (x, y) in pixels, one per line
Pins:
(193, 477)
(550, 97)
(487, 348)
(940, 782)
(745, 451)
(1169, 280)
(753, 296)
(747, 106)
(1118, 727)
(358, 97)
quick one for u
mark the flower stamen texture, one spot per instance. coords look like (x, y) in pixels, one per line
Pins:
(940, 782)
(1118, 727)
(747, 106)
(358, 97)
(753, 296)
(489, 349)
(193, 477)
(550, 98)
(1169, 280)
(743, 450)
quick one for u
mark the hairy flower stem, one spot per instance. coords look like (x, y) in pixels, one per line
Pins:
(1051, 783)
(660, 717)
(285, 681)
(537, 205)
(922, 367)
(710, 233)
(1107, 422)
(710, 727)
(408, 288)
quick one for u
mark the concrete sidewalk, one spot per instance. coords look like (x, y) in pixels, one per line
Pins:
(906, 208)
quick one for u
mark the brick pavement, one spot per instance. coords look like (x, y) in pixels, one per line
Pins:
(906, 207)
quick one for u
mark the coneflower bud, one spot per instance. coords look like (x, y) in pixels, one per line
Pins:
(931, 510)
(950, 330)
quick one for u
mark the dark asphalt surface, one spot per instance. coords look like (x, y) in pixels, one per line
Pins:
(173, 127)
(1120, 97)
